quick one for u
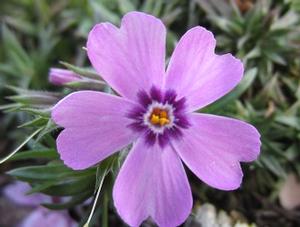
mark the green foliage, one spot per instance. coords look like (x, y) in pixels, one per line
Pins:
(267, 38)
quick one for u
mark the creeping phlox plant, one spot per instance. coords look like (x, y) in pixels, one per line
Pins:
(155, 112)
(153, 116)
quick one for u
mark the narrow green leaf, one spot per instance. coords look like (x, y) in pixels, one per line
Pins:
(105, 210)
(37, 122)
(40, 187)
(291, 121)
(288, 20)
(21, 25)
(88, 84)
(78, 199)
(47, 173)
(103, 168)
(43, 113)
(37, 99)
(72, 186)
(51, 126)
(21, 145)
(81, 71)
(10, 106)
(22, 91)
(273, 165)
(147, 6)
(13, 46)
(36, 154)
(275, 57)
(104, 13)
(126, 6)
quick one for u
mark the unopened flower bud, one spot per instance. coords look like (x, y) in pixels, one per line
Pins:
(62, 76)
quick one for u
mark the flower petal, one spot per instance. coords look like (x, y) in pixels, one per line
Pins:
(132, 57)
(95, 127)
(42, 217)
(152, 183)
(213, 147)
(197, 73)
(17, 193)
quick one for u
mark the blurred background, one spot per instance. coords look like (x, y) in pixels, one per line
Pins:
(265, 34)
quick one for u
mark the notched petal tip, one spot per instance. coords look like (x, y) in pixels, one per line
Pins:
(236, 63)
(152, 183)
(200, 35)
(235, 184)
(141, 15)
(129, 57)
(73, 165)
(196, 72)
(256, 143)
(66, 155)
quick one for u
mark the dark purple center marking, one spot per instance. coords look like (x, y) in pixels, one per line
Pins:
(160, 116)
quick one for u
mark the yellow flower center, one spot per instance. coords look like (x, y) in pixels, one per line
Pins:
(159, 117)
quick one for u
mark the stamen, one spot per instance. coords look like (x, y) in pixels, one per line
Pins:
(159, 117)
(163, 114)
(163, 121)
(154, 119)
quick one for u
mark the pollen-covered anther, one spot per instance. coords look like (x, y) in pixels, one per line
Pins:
(159, 117)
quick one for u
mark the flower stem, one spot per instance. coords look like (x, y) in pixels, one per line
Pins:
(105, 210)
(96, 199)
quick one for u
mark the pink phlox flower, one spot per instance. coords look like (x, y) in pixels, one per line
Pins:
(39, 217)
(156, 113)
(42, 217)
(17, 193)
